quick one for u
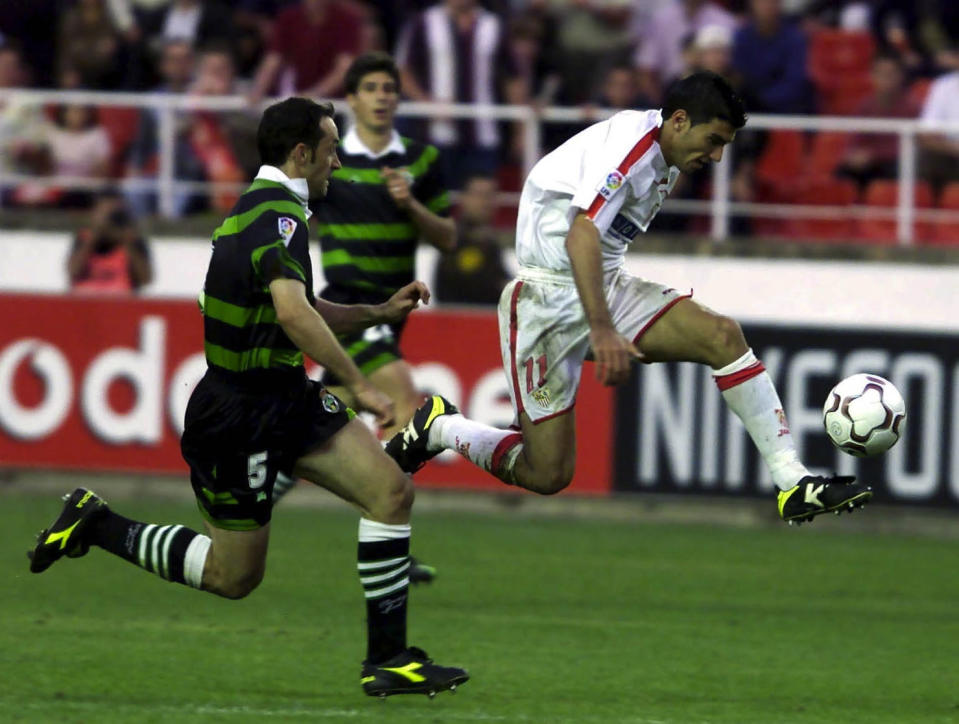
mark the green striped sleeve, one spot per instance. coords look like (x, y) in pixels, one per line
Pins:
(438, 203)
(419, 166)
(283, 257)
(238, 222)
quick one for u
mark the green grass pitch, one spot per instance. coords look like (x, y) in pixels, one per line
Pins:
(558, 620)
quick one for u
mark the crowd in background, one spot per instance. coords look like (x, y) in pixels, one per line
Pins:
(880, 58)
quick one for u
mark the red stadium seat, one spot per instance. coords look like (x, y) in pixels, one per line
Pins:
(121, 125)
(839, 63)
(946, 233)
(886, 194)
(826, 152)
(826, 191)
(780, 165)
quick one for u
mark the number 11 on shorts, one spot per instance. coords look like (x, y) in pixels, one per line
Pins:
(541, 365)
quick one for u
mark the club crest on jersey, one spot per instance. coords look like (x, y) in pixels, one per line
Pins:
(330, 403)
(287, 227)
(613, 181)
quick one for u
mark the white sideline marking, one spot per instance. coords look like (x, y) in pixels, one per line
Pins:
(327, 713)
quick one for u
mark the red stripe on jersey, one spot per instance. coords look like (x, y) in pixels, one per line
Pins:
(635, 153)
(724, 382)
(517, 392)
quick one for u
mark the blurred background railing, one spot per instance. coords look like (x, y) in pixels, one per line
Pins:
(799, 195)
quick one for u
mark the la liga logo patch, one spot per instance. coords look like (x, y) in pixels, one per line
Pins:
(287, 227)
(613, 181)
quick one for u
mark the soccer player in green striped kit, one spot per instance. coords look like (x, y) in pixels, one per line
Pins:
(388, 195)
(255, 413)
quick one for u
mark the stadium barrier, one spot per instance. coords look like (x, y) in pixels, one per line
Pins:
(105, 387)
(169, 109)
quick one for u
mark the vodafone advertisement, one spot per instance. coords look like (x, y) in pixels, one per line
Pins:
(97, 383)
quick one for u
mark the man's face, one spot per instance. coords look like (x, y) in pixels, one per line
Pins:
(324, 161)
(478, 201)
(692, 147)
(374, 103)
(176, 64)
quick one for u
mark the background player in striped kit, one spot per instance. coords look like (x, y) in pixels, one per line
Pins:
(387, 196)
(255, 413)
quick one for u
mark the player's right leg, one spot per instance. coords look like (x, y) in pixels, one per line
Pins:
(688, 331)
(352, 464)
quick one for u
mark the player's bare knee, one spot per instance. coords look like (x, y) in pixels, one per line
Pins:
(233, 584)
(552, 479)
(394, 500)
(727, 343)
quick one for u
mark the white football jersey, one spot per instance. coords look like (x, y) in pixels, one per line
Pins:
(614, 171)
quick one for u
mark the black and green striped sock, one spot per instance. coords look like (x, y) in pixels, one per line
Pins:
(383, 561)
(173, 552)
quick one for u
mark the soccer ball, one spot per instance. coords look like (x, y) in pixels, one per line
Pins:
(864, 415)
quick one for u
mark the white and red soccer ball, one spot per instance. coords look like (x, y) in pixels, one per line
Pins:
(864, 415)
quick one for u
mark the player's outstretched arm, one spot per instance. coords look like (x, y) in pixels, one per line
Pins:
(307, 330)
(612, 352)
(349, 318)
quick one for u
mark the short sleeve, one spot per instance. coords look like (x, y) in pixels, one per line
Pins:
(608, 173)
(430, 188)
(287, 255)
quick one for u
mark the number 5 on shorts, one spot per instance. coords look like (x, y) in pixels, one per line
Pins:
(256, 469)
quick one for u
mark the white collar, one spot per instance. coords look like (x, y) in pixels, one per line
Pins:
(352, 144)
(297, 185)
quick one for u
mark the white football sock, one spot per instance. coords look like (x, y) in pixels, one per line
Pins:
(749, 392)
(484, 446)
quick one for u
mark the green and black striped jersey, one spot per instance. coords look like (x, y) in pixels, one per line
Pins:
(368, 244)
(264, 237)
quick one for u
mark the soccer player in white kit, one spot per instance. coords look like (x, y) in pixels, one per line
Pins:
(580, 208)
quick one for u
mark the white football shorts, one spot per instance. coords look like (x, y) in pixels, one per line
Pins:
(544, 336)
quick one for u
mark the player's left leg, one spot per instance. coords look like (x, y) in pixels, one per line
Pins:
(352, 465)
(688, 331)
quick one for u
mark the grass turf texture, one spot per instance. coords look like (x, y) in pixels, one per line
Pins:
(557, 621)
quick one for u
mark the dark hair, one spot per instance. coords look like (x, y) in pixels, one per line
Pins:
(287, 123)
(705, 96)
(367, 63)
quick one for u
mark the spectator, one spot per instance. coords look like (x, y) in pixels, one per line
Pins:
(22, 125)
(223, 142)
(659, 55)
(89, 45)
(176, 68)
(455, 51)
(109, 255)
(197, 23)
(313, 44)
(939, 151)
(711, 49)
(28, 24)
(473, 272)
(769, 59)
(591, 37)
(79, 147)
(876, 155)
